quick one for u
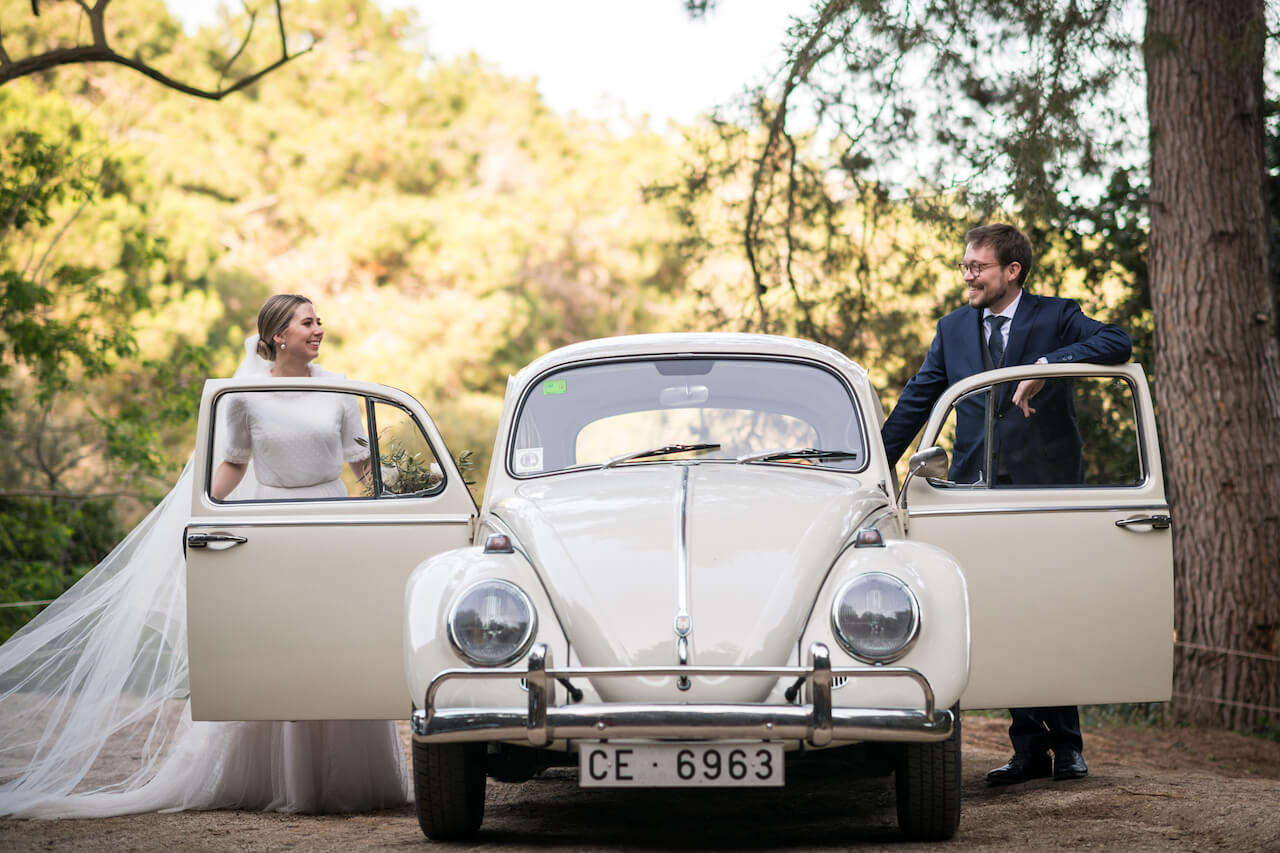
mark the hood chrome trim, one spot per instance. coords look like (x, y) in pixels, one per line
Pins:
(684, 620)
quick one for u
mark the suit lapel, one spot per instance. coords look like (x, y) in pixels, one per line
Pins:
(975, 346)
(1020, 328)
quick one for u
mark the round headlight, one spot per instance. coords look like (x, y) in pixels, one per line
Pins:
(876, 617)
(492, 623)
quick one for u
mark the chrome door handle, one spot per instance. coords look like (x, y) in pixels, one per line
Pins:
(217, 540)
(1157, 522)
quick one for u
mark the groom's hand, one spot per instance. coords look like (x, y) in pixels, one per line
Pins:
(1022, 395)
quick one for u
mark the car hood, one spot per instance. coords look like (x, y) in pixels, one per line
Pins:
(760, 541)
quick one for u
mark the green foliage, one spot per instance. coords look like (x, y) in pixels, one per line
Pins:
(1268, 729)
(842, 265)
(1108, 424)
(413, 475)
(449, 227)
(33, 333)
(45, 547)
(403, 472)
(466, 466)
(406, 473)
(1141, 714)
(1150, 714)
(70, 402)
(1104, 243)
(848, 193)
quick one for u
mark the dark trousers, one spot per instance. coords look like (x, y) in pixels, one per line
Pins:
(1036, 729)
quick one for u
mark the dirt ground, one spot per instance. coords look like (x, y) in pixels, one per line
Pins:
(1148, 789)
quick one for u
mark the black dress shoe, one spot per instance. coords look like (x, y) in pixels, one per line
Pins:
(1068, 763)
(1021, 767)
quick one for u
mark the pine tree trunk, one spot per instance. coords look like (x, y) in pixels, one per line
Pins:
(1217, 359)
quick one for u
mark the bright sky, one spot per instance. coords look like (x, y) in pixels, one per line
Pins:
(603, 58)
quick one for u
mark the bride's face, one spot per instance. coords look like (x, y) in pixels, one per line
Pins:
(303, 334)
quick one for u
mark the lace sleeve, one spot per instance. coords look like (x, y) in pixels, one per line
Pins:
(236, 431)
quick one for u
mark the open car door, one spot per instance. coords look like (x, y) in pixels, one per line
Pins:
(295, 605)
(1063, 531)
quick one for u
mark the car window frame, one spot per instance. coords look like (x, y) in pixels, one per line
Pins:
(870, 436)
(987, 380)
(369, 420)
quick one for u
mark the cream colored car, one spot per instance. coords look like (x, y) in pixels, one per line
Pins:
(693, 567)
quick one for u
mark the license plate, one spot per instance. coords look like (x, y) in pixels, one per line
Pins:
(679, 765)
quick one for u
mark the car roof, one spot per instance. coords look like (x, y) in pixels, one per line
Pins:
(702, 343)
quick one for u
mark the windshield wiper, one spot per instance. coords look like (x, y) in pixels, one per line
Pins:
(661, 451)
(797, 453)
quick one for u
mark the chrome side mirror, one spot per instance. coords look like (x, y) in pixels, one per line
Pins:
(930, 462)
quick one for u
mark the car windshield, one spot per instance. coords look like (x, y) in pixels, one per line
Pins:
(656, 410)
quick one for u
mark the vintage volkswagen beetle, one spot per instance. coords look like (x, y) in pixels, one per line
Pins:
(693, 564)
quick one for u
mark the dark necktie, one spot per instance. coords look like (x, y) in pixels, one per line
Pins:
(995, 343)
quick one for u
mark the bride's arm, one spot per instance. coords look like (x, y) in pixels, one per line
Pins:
(362, 469)
(226, 478)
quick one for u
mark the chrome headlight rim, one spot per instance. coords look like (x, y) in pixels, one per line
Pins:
(519, 650)
(913, 633)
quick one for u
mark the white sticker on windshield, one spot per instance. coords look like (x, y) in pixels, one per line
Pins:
(529, 460)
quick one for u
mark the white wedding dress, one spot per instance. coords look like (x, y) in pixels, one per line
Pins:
(94, 718)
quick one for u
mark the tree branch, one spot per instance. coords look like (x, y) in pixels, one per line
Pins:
(53, 241)
(798, 71)
(808, 328)
(248, 34)
(101, 51)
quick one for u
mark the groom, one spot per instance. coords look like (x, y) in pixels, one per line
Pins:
(1035, 428)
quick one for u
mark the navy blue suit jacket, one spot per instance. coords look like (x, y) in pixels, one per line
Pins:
(1044, 448)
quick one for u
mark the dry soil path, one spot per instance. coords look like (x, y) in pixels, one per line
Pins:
(1153, 789)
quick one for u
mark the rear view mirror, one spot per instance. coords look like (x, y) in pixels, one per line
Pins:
(684, 395)
(930, 462)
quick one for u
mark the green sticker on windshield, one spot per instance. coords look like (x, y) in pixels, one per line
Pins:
(553, 386)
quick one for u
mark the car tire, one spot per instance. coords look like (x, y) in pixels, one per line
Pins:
(928, 787)
(448, 787)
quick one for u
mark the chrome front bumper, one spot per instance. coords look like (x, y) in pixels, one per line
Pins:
(817, 723)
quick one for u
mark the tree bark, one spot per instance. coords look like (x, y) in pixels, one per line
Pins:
(1217, 359)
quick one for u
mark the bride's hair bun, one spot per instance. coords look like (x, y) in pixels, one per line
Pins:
(273, 318)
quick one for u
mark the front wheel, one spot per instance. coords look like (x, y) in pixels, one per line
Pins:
(928, 787)
(448, 785)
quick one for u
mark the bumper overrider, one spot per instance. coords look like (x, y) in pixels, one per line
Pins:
(543, 721)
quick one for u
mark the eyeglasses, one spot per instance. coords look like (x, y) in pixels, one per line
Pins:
(975, 268)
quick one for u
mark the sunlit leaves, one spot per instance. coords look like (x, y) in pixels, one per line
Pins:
(76, 263)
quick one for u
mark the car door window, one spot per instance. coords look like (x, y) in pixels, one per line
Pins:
(406, 464)
(1083, 433)
(305, 445)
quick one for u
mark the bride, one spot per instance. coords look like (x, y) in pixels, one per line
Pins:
(94, 718)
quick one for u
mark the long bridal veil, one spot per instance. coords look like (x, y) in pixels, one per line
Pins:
(92, 689)
(93, 712)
